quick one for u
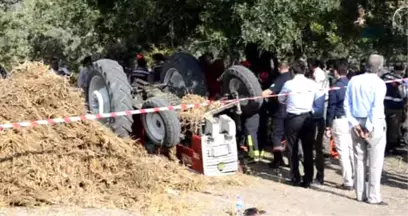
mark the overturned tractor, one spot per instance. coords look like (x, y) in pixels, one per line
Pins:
(110, 91)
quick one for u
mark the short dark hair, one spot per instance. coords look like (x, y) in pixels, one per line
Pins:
(87, 60)
(342, 68)
(399, 66)
(298, 67)
(316, 63)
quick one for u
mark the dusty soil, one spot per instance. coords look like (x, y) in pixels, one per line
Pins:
(268, 191)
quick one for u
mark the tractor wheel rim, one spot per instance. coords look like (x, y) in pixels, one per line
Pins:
(155, 124)
(98, 96)
(236, 85)
(175, 81)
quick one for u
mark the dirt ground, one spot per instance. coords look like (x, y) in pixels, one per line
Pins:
(268, 191)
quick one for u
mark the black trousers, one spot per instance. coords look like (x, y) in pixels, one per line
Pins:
(247, 132)
(278, 128)
(264, 117)
(394, 119)
(300, 127)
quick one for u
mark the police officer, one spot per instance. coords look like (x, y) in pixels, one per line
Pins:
(278, 111)
(394, 105)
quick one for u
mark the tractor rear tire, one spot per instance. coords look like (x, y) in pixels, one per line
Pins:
(184, 75)
(107, 76)
(162, 128)
(241, 79)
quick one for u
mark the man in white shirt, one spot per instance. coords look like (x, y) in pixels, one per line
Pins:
(302, 99)
(322, 143)
(364, 108)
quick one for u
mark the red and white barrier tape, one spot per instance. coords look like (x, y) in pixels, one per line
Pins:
(99, 116)
(142, 111)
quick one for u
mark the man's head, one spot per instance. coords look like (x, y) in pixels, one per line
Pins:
(399, 68)
(158, 58)
(341, 68)
(87, 61)
(283, 66)
(375, 63)
(54, 63)
(141, 61)
(298, 67)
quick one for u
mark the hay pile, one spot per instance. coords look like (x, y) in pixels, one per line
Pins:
(81, 164)
(191, 119)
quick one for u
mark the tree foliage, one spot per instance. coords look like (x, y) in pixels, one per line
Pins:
(39, 29)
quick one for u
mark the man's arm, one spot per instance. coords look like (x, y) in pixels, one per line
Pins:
(377, 106)
(275, 88)
(348, 105)
(283, 93)
(331, 108)
(318, 103)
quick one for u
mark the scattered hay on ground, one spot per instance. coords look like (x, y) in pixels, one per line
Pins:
(82, 164)
(191, 119)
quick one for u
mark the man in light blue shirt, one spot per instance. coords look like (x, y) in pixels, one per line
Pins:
(303, 99)
(364, 108)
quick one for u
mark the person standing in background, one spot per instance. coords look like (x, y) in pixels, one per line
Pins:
(364, 108)
(337, 125)
(84, 73)
(322, 143)
(394, 105)
(302, 99)
(278, 112)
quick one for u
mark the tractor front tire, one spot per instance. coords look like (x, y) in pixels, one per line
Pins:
(162, 128)
(108, 90)
(184, 75)
(240, 79)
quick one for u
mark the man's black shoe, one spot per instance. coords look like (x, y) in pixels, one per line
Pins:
(276, 163)
(319, 179)
(295, 183)
(305, 184)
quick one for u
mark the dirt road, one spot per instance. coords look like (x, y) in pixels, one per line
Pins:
(268, 192)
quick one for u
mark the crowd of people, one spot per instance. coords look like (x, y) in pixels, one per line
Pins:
(312, 103)
(362, 111)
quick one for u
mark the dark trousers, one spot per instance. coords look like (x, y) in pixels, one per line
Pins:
(247, 130)
(278, 128)
(300, 127)
(319, 143)
(263, 127)
(394, 119)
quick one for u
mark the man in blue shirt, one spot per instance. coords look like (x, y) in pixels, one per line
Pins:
(337, 125)
(364, 108)
(303, 100)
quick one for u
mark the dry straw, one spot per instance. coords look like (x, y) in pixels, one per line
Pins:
(82, 164)
(192, 119)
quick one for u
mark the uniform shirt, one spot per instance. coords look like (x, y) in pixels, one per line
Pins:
(335, 107)
(396, 92)
(364, 98)
(276, 88)
(303, 96)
